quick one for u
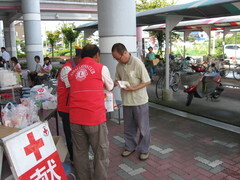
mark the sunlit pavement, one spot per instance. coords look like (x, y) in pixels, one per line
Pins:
(225, 109)
(180, 149)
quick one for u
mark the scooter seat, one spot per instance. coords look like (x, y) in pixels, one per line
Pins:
(211, 77)
(211, 74)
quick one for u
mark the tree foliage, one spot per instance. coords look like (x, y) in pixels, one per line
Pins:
(69, 34)
(143, 5)
(21, 44)
(53, 37)
(228, 40)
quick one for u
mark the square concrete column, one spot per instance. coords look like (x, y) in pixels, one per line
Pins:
(32, 31)
(116, 24)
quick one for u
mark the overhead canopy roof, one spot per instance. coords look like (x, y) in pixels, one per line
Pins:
(191, 11)
(91, 25)
(86, 10)
(215, 23)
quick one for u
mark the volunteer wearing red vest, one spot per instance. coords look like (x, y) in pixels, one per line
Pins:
(62, 99)
(88, 114)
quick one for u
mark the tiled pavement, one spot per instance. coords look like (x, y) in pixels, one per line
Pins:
(180, 149)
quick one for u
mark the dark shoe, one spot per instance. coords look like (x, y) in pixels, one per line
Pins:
(126, 153)
(143, 156)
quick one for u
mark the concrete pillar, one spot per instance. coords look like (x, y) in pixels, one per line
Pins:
(116, 24)
(186, 34)
(171, 22)
(13, 40)
(235, 35)
(207, 30)
(139, 43)
(7, 39)
(225, 32)
(1, 35)
(10, 38)
(32, 31)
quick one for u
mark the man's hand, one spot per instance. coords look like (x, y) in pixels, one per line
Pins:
(140, 86)
(115, 83)
(129, 88)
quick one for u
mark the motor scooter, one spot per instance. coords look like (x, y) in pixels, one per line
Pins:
(201, 84)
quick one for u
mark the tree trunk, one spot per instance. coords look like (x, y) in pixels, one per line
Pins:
(52, 52)
(70, 50)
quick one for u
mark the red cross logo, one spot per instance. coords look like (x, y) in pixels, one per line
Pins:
(34, 146)
(45, 131)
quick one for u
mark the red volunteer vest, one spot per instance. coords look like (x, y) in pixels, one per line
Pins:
(87, 93)
(63, 92)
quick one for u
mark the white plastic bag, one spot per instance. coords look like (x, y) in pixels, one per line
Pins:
(38, 90)
(41, 94)
(109, 101)
(19, 117)
(50, 104)
(8, 78)
(6, 114)
(32, 114)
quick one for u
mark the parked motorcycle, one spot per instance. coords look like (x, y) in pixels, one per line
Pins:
(200, 84)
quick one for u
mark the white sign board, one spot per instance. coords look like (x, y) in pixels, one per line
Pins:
(33, 154)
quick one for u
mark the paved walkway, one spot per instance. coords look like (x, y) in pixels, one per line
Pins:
(180, 149)
(224, 109)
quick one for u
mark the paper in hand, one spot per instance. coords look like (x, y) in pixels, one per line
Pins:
(123, 84)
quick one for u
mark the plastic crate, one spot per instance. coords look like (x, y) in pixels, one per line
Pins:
(190, 78)
(8, 96)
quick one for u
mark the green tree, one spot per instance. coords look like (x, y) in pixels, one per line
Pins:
(69, 34)
(160, 36)
(53, 37)
(219, 44)
(21, 48)
(21, 44)
(143, 5)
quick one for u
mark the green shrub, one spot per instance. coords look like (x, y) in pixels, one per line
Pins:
(23, 65)
(62, 52)
(21, 55)
(55, 68)
(56, 59)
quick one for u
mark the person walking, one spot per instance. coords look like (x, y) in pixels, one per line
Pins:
(135, 101)
(5, 56)
(63, 90)
(149, 58)
(88, 114)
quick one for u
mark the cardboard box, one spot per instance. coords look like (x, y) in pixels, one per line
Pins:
(155, 62)
(6, 131)
(61, 147)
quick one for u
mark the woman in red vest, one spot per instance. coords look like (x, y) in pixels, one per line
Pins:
(88, 114)
(63, 98)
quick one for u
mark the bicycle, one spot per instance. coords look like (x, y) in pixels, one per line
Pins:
(222, 69)
(174, 81)
(236, 72)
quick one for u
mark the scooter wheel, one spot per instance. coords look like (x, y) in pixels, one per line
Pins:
(189, 99)
(215, 96)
